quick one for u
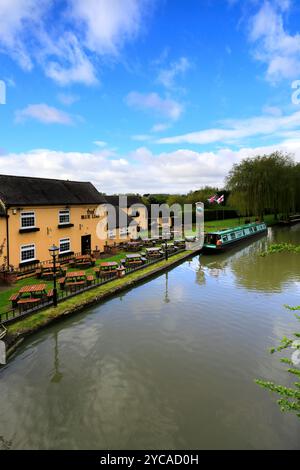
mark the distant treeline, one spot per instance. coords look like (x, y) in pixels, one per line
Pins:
(267, 184)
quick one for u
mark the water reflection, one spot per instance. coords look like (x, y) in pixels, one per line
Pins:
(268, 274)
(57, 375)
(169, 364)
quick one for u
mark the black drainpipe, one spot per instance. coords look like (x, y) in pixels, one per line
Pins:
(7, 238)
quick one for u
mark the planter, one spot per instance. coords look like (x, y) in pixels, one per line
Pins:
(8, 277)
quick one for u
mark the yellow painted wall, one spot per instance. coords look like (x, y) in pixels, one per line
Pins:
(47, 220)
(87, 220)
(2, 241)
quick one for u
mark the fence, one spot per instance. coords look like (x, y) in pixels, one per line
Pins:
(32, 267)
(12, 315)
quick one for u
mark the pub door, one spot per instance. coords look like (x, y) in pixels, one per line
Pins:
(86, 245)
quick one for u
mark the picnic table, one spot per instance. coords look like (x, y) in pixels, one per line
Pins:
(30, 296)
(75, 280)
(107, 269)
(180, 243)
(133, 259)
(46, 270)
(153, 252)
(84, 261)
(150, 242)
(133, 246)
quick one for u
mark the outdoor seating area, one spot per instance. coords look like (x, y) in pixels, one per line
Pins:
(153, 253)
(134, 246)
(30, 296)
(107, 270)
(170, 247)
(149, 242)
(74, 281)
(179, 243)
(46, 271)
(83, 261)
(133, 260)
(83, 271)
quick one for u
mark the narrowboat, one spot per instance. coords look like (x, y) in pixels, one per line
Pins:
(215, 242)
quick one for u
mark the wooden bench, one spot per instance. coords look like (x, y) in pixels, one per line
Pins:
(50, 294)
(90, 280)
(23, 303)
(38, 272)
(74, 286)
(14, 300)
(47, 276)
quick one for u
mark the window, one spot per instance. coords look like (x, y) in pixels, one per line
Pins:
(27, 253)
(27, 219)
(64, 217)
(64, 245)
(111, 234)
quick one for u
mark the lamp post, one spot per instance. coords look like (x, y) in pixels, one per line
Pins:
(166, 251)
(53, 250)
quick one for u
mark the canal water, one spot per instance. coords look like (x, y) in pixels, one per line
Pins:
(169, 364)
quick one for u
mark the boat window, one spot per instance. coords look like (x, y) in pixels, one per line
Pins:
(225, 238)
(255, 229)
(233, 236)
(210, 239)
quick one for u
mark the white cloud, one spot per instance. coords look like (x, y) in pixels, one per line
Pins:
(45, 114)
(72, 64)
(141, 137)
(90, 28)
(273, 110)
(166, 107)
(168, 76)
(107, 24)
(235, 130)
(15, 16)
(67, 98)
(274, 45)
(160, 127)
(100, 143)
(142, 171)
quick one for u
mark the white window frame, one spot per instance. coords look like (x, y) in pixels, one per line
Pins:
(64, 240)
(63, 213)
(24, 248)
(112, 234)
(24, 215)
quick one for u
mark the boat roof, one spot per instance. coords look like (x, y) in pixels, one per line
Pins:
(235, 229)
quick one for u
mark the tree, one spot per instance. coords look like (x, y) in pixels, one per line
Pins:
(264, 183)
(290, 396)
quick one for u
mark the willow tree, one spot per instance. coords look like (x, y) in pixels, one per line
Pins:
(264, 183)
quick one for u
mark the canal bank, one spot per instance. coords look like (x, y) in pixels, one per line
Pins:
(168, 364)
(31, 324)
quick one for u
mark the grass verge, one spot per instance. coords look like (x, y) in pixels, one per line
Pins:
(36, 321)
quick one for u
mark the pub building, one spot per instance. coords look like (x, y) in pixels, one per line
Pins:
(36, 213)
(135, 209)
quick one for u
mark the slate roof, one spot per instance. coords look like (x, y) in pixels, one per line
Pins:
(114, 200)
(29, 191)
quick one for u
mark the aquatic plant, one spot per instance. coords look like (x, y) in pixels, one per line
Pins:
(290, 397)
(280, 248)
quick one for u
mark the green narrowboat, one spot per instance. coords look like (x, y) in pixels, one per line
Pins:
(215, 242)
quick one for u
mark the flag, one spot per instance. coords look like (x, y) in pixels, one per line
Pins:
(220, 199)
(212, 199)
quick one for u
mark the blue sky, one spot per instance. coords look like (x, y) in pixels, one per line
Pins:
(146, 95)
